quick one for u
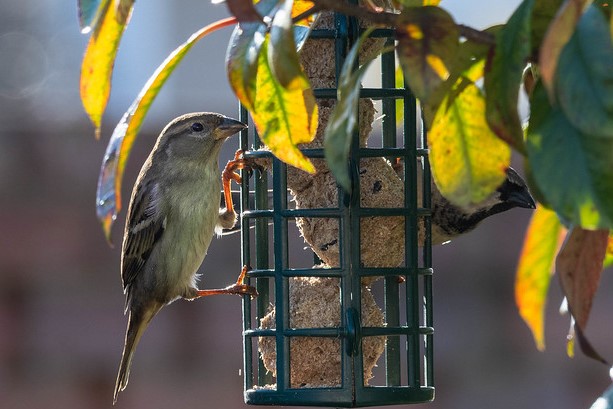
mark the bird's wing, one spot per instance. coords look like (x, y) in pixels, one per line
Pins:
(145, 227)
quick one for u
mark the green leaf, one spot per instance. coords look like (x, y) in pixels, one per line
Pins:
(283, 117)
(468, 161)
(99, 59)
(282, 54)
(541, 244)
(108, 195)
(584, 79)
(572, 169)
(428, 40)
(343, 120)
(243, 54)
(90, 12)
(535, 190)
(503, 75)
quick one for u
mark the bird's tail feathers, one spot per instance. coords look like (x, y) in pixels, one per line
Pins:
(137, 323)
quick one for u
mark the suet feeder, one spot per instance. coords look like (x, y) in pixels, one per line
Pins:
(354, 328)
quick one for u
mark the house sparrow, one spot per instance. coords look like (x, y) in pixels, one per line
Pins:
(449, 220)
(173, 213)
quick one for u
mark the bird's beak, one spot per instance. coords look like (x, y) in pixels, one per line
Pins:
(228, 127)
(521, 198)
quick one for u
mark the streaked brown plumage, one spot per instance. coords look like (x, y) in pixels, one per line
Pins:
(172, 216)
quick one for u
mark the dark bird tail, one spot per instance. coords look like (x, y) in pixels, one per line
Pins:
(137, 323)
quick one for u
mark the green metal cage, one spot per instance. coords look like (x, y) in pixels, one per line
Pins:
(404, 373)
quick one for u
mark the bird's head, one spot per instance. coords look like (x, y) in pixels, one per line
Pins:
(450, 220)
(198, 134)
(512, 193)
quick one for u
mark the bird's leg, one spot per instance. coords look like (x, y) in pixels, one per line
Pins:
(229, 174)
(238, 288)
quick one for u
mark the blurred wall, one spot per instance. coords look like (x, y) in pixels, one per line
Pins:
(61, 305)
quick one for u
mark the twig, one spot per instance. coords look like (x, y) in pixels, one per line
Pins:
(385, 18)
(475, 35)
(393, 19)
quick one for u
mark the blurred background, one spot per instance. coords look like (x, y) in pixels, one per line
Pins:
(61, 301)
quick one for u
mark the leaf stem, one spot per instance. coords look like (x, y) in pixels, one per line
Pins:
(224, 22)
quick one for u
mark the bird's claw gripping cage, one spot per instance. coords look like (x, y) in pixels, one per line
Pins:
(328, 362)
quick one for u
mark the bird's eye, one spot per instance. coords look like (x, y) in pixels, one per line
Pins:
(197, 127)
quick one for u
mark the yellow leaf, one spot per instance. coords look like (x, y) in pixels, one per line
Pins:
(108, 195)
(468, 160)
(541, 244)
(99, 58)
(244, 51)
(301, 6)
(283, 117)
(475, 72)
(339, 132)
(282, 55)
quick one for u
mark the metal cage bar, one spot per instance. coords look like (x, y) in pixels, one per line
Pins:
(408, 355)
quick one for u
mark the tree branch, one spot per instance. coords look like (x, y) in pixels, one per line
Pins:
(393, 19)
(341, 6)
(475, 35)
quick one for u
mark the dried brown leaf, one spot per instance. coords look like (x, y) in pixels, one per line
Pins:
(579, 265)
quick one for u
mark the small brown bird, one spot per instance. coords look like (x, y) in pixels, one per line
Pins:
(173, 213)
